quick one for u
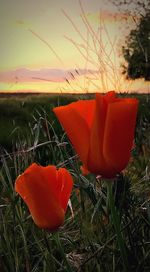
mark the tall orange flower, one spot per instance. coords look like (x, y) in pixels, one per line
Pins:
(46, 192)
(101, 131)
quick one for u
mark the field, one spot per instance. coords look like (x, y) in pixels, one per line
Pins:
(88, 241)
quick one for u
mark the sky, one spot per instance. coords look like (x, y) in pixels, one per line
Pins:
(63, 46)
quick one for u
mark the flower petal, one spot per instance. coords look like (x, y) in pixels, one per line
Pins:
(110, 97)
(119, 132)
(35, 189)
(84, 170)
(86, 109)
(76, 127)
(96, 160)
(95, 156)
(65, 179)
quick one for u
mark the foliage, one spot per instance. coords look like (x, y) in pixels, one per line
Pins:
(133, 7)
(137, 50)
(19, 114)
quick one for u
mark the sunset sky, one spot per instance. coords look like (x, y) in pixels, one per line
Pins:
(63, 46)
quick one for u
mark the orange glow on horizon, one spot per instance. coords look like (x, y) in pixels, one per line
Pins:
(34, 40)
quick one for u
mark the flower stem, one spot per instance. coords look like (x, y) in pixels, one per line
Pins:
(63, 255)
(116, 223)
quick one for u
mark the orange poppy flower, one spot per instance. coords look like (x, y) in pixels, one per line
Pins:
(101, 131)
(46, 192)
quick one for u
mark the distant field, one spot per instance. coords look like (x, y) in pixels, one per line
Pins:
(18, 112)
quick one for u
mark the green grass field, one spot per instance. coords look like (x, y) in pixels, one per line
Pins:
(87, 241)
(19, 112)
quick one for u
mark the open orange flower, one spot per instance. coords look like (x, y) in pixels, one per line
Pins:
(101, 131)
(46, 192)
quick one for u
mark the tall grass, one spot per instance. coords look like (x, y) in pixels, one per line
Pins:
(87, 241)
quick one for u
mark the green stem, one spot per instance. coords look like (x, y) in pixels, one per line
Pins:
(116, 223)
(58, 242)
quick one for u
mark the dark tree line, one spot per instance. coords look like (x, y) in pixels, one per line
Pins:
(136, 50)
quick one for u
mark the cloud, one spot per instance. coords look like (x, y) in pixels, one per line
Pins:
(108, 16)
(52, 75)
